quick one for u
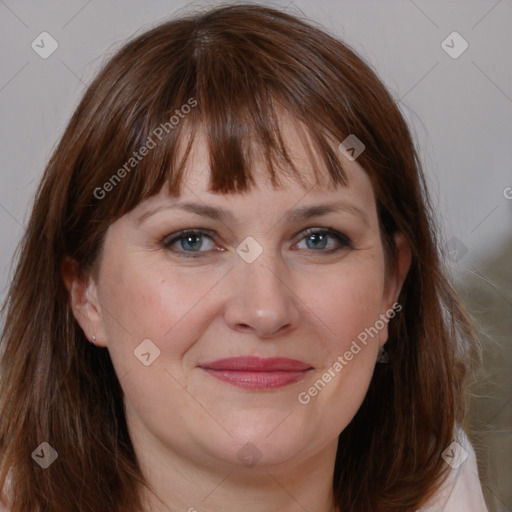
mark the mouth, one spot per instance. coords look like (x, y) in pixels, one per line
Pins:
(254, 373)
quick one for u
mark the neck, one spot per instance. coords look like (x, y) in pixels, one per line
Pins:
(180, 484)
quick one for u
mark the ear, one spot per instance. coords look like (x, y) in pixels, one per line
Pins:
(83, 298)
(394, 282)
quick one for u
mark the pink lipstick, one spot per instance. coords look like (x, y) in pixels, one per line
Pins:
(255, 373)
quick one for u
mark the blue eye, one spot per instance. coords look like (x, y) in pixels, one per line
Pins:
(319, 239)
(186, 243)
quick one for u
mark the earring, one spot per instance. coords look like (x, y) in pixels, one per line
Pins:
(382, 356)
(93, 339)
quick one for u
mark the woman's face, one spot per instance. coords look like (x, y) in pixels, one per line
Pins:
(245, 343)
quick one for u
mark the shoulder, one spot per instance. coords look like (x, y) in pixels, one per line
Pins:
(462, 489)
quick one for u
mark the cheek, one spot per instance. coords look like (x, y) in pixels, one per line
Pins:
(348, 302)
(155, 302)
(349, 305)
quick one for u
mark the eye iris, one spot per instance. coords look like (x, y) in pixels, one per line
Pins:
(193, 240)
(317, 237)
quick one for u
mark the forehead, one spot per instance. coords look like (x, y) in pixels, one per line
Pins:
(312, 175)
(310, 192)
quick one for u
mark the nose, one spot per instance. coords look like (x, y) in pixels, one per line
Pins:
(262, 300)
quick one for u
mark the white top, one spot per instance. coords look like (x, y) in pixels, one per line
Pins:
(461, 491)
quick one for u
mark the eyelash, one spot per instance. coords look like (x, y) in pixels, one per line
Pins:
(345, 241)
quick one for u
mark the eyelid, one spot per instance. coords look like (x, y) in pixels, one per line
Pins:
(341, 237)
(169, 240)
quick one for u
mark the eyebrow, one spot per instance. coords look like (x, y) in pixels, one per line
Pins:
(296, 215)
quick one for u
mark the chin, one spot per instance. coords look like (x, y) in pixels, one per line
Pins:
(267, 443)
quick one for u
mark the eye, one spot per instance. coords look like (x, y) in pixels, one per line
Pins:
(187, 242)
(318, 240)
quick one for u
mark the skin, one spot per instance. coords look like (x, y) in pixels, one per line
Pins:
(293, 301)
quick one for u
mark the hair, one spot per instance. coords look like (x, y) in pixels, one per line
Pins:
(236, 67)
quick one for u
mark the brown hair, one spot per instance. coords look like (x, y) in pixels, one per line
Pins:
(239, 64)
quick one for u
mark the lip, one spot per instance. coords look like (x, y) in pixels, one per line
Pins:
(257, 373)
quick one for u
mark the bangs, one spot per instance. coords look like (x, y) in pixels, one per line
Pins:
(237, 92)
(241, 140)
(241, 132)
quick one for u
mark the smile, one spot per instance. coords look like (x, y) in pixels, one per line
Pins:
(254, 373)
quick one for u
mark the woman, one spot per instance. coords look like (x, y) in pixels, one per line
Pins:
(229, 293)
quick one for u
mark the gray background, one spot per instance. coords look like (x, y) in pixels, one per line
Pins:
(460, 111)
